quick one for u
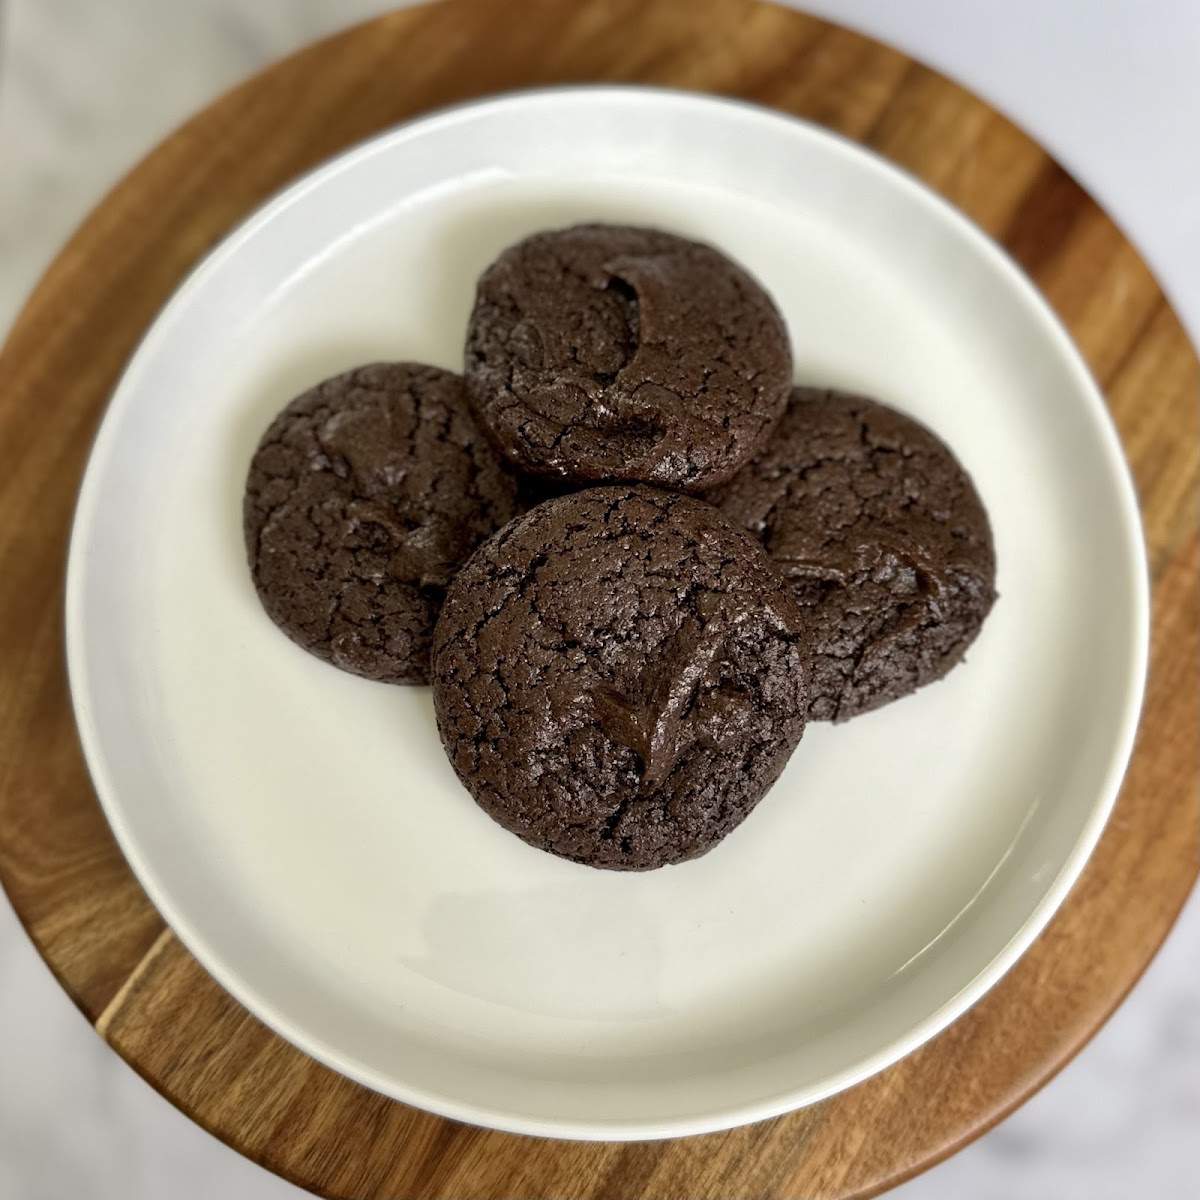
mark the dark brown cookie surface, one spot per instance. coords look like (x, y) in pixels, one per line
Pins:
(884, 539)
(606, 352)
(617, 678)
(362, 499)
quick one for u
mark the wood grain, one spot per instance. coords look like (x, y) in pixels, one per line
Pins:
(59, 864)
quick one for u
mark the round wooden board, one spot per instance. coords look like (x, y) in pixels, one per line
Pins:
(69, 884)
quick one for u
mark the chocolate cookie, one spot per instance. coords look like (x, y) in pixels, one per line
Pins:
(605, 352)
(617, 677)
(883, 538)
(363, 497)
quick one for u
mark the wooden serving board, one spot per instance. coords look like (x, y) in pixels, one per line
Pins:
(111, 950)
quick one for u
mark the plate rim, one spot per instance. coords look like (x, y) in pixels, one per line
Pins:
(1131, 537)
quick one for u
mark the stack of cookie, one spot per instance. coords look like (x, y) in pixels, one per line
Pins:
(629, 556)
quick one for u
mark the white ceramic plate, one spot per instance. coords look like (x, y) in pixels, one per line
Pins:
(301, 830)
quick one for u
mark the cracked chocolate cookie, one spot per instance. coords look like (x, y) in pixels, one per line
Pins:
(610, 353)
(883, 538)
(363, 497)
(617, 677)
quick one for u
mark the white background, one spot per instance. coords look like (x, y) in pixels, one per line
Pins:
(1111, 86)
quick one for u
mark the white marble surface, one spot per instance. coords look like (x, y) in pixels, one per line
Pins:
(86, 86)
